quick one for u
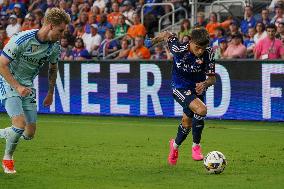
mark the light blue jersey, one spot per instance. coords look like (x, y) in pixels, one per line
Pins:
(27, 54)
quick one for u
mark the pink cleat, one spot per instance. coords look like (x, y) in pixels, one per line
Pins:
(173, 156)
(196, 153)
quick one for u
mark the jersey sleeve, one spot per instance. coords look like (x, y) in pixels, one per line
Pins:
(55, 55)
(175, 47)
(12, 49)
(210, 70)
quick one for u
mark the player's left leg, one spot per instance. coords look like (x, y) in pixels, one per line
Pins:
(30, 129)
(30, 111)
(200, 111)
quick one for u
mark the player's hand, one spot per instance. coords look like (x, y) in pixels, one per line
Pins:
(48, 100)
(23, 91)
(200, 88)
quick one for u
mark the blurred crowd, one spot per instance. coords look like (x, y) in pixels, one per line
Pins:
(113, 28)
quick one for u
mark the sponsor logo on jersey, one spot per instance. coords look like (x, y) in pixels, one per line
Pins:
(34, 48)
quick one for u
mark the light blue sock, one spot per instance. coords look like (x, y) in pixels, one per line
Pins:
(13, 135)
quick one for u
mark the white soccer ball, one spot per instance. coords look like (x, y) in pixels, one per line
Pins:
(215, 162)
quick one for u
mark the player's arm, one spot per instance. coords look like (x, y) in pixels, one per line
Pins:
(52, 75)
(202, 86)
(10, 53)
(210, 72)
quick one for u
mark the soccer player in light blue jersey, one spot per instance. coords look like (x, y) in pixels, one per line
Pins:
(21, 59)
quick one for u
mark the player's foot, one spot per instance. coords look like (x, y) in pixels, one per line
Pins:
(8, 166)
(196, 153)
(3, 132)
(173, 156)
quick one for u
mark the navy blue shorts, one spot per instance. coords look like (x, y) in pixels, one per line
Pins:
(184, 97)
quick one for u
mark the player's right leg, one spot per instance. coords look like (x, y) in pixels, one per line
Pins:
(183, 97)
(13, 106)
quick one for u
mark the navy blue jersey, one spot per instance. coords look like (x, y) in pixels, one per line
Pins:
(187, 68)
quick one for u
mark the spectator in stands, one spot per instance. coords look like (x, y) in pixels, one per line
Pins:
(128, 12)
(235, 49)
(249, 43)
(38, 4)
(92, 40)
(219, 52)
(279, 11)
(63, 5)
(121, 27)
(79, 30)
(272, 5)
(74, 12)
(29, 23)
(269, 47)
(92, 19)
(13, 26)
(103, 25)
(66, 50)
(18, 12)
(200, 20)
(265, 17)
(38, 17)
(100, 4)
(185, 29)
(108, 45)
(124, 52)
(68, 34)
(139, 51)
(113, 17)
(137, 29)
(83, 21)
(260, 32)
(280, 31)
(219, 34)
(210, 27)
(50, 4)
(3, 22)
(4, 37)
(159, 54)
(6, 8)
(151, 16)
(248, 21)
(79, 52)
(233, 30)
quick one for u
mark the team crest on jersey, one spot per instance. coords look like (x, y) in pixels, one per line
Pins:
(35, 48)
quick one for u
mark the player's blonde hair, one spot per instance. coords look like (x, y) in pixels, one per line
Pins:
(56, 16)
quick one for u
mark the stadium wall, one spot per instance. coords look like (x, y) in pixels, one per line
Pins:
(245, 90)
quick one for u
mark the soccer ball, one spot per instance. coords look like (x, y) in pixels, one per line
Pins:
(215, 162)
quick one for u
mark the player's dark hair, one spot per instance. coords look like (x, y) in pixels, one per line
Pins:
(200, 36)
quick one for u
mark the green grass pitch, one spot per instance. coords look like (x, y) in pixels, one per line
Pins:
(89, 152)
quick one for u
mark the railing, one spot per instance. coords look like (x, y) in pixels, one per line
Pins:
(157, 4)
(227, 2)
(173, 14)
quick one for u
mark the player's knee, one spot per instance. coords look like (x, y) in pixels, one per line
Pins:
(187, 122)
(202, 110)
(19, 121)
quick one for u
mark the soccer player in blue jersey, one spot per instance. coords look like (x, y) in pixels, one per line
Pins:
(21, 59)
(193, 72)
